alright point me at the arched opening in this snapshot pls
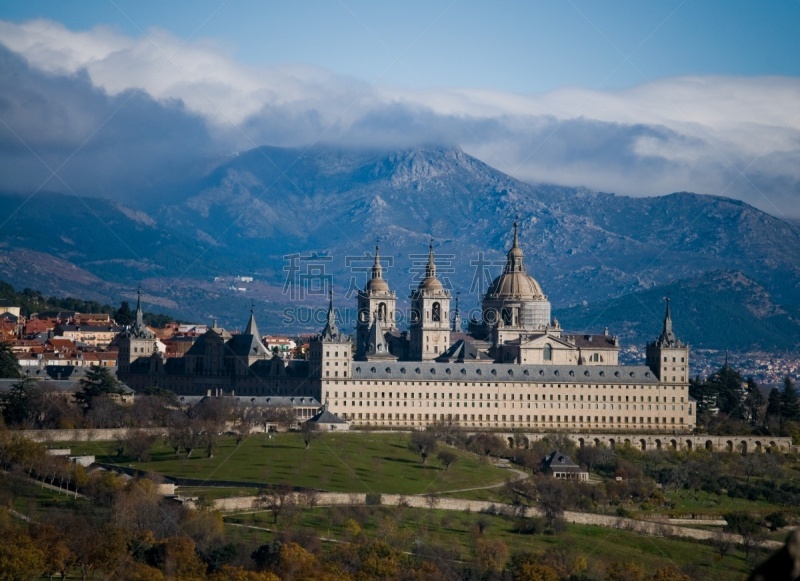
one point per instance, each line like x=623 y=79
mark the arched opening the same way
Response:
x=436 y=312
x=547 y=354
x=759 y=448
x=506 y=314
x=730 y=446
x=627 y=443
x=510 y=442
x=382 y=312
x=773 y=447
x=597 y=441
x=709 y=445
x=611 y=443
x=673 y=444
x=643 y=445
x=689 y=445
x=743 y=447
x=658 y=444
x=581 y=442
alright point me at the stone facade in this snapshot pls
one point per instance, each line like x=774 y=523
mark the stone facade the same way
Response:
x=516 y=373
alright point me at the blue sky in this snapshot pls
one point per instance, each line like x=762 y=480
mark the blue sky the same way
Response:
x=639 y=98
x=521 y=46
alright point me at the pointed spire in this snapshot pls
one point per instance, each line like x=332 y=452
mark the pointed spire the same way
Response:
x=139 y=313
x=430 y=269
x=251 y=328
x=139 y=329
x=667 y=334
x=515 y=254
x=457 y=317
x=377 y=270
x=330 y=332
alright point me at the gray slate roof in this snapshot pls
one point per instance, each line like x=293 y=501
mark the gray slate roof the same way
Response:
x=260 y=401
x=471 y=371
x=557 y=461
x=326 y=417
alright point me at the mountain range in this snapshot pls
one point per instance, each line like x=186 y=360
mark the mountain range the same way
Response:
x=287 y=217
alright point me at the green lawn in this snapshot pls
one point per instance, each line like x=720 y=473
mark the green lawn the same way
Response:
x=439 y=530
x=352 y=462
x=689 y=502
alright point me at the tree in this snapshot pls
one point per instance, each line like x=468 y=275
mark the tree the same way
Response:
x=9 y=365
x=20 y=558
x=423 y=443
x=98 y=381
x=277 y=499
x=790 y=403
x=727 y=383
x=22 y=404
x=138 y=444
x=749 y=528
x=447 y=457
x=774 y=402
x=552 y=498
x=281 y=416
x=311 y=432
x=624 y=571
x=123 y=315
x=754 y=403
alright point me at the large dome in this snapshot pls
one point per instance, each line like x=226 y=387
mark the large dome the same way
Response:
x=515 y=283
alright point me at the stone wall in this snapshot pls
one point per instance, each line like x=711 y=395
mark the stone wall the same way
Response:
x=98 y=435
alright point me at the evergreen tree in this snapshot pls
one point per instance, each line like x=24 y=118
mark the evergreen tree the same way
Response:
x=774 y=402
x=790 y=403
x=9 y=366
x=98 y=381
x=698 y=391
x=124 y=316
x=727 y=382
x=22 y=403
x=754 y=403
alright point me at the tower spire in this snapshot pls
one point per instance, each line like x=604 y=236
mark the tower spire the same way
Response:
x=516 y=239
x=251 y=328
x=430 y=269
x=139 y=313
x=667 y=334
x=377 y=269
x=330 y=332
x=457 y=317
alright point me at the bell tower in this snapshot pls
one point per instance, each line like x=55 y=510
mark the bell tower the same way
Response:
x=430 y=316
x=376 y=301
x=667 y=356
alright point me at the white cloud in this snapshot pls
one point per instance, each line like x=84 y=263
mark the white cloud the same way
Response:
x=691 y=133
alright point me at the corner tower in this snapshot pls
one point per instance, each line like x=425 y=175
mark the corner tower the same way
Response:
x=138 y=341
x=430 y=316
x=330 y=352
x=667 y=356
x=375 y=302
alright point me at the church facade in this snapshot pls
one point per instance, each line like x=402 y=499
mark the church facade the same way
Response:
x=516 y=369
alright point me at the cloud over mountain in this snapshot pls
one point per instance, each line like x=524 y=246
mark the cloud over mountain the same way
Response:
x=135 y=109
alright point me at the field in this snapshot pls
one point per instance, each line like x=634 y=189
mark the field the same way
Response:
x=344 y=462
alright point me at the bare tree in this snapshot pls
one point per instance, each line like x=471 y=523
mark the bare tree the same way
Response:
x=281 y=416
x=423 y=443
x=311 y=432
x=278 y=499
x=309 y=497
